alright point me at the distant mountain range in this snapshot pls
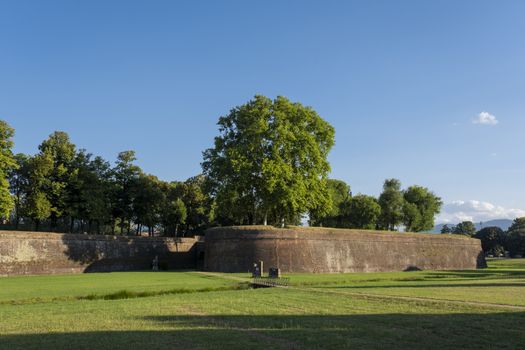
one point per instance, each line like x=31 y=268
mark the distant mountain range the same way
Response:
x=503 y=224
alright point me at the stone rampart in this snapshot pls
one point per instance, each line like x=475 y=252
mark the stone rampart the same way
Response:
x=42 y=253
x=235 y=249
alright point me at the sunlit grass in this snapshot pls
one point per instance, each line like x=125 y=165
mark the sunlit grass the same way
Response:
x=130 y=310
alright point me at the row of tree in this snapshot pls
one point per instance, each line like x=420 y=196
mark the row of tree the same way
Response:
x=267 y=166
x=494 y=240
x=413 y=208
x=64 y=189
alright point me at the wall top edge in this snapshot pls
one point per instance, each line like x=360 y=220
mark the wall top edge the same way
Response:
x=76 y=236
x=252 y=232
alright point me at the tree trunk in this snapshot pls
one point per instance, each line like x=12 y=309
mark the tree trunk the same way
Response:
x=53 y=223
x=265 y=218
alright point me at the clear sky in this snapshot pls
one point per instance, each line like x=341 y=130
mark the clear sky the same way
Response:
x=430 y=92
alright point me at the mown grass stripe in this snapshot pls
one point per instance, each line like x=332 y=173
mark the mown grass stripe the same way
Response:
x=127 y=294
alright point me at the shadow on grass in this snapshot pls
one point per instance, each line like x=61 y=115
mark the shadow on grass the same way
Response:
x=378 y=331
x=430 y=285
x=476 y=274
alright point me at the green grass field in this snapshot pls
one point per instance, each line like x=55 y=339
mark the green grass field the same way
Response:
x=483 y=309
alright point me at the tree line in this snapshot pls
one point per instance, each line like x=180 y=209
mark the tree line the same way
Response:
x=494 y=241
x=65 y=189
x=412 y=209
x=268 y=165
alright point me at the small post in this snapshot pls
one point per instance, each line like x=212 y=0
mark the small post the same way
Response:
x=261 y=267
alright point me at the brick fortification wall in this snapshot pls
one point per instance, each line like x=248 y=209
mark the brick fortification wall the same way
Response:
x=42 y=253
x=235 y=249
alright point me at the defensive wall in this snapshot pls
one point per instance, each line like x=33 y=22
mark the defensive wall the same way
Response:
x=235 y=249
x=45 y=253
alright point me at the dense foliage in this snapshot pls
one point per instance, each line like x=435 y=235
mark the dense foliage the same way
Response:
x=7 y=164
x=65 y=189
x=391 y=202
x=515 y=238
x=414 y=208
x=466 y=228
x=494 y=241
x=269 y=163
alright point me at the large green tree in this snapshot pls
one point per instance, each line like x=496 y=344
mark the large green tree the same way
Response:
x=197 y=202
x=125 y=177
x=333 y=216
x=363 y=212
x=271 y=158
x=515 y=240
x=466 y=228
x=7 y=164
x=173 y=212
x=492 y=238
x=19 y=183
x=89 y=193
x=391 y=202
x=59 y=150
x=37 y=204
x=419 y=208
x=147 y=203
x=446 y=229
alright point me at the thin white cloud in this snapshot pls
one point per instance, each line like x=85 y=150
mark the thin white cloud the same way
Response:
x=476 y=211
x=485 y=118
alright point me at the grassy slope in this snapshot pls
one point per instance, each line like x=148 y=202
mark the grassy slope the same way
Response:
x=503 y=283
x=45 y=288
x=269 y=318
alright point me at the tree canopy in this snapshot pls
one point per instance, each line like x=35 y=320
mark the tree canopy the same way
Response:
x=466 y=228
x=65 y=189
x=515 y=240
x=334 y=214
x=7 y=164
x=446 y=229
x=268 y=165
x=270 y=160
x=391 y=202
x=491 y=239
x=419 y=208
x=363 y=212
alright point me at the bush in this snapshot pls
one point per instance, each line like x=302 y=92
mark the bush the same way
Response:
x=515 y=243
x=490 y=237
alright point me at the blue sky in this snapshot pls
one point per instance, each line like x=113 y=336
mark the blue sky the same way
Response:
x=401 y=81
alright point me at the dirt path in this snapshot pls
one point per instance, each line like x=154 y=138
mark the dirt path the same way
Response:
x=382 y=296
